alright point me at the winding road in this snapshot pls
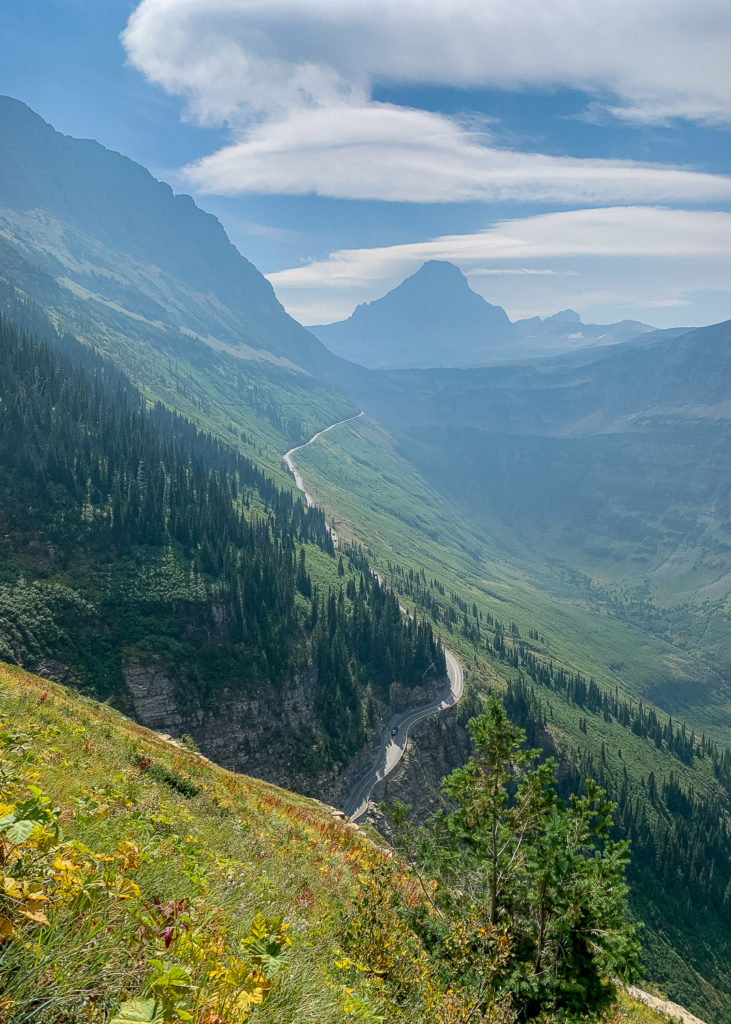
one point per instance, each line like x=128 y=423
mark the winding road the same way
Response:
x=287 y=457
x=392 y=749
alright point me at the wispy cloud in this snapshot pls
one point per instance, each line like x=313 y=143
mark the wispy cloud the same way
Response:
x=293 y=80
x=668 y=59
x=589 y=259
x=379 y=151
x=513 y=271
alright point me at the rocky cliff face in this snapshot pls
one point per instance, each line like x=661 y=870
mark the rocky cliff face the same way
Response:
x=265 y=732
x=436 y=746
x=271 y=733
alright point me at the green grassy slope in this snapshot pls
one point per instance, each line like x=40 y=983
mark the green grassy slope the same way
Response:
x=257 y=402
x=153 y=836
x=640 y=514
x=137 y=872
x=383 y=501
x=360 y=478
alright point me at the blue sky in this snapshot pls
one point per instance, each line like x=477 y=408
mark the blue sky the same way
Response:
x=562 y=153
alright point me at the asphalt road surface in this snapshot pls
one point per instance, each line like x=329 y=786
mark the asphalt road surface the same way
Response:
x=293 y=469
x=393 y=747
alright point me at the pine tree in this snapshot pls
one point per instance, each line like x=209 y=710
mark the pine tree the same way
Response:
x=541 y=872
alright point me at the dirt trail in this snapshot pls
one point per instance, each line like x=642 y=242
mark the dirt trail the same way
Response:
x=663 y=1006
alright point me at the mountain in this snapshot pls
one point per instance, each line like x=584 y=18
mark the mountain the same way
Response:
x=151 y=281
x=112 y=235
x=152 y=566
x=564 y=331
x=152 y=548
x=434 y=319
x=430 y=317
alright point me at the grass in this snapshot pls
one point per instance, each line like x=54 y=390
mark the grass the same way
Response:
x=222 y=847
x=141 y=874
x=376 y=496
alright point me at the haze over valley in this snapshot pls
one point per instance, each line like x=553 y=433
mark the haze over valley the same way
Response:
x=365 y=516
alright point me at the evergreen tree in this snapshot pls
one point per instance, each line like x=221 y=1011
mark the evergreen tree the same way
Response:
x=520 y=862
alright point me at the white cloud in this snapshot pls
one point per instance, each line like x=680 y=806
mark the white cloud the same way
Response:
x=380 y=151
x=668 y=303
x=293 y=81
x=512 y=271
x=597 y=260
x=666 y=59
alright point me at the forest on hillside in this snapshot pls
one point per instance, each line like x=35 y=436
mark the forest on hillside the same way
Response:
x=125 y=530
x=671 y=788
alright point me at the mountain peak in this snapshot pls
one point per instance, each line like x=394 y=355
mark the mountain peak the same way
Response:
x=439 y=268
x=429 y=319
x=567 y=316
x=440 y=281
x=437 y=291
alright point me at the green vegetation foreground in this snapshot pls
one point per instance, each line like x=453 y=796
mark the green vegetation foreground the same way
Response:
x=141 y=883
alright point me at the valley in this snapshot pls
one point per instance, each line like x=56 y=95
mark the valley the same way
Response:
x=557 y=528
x=397 y=728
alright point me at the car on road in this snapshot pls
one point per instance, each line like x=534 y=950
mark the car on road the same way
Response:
x=394 y=730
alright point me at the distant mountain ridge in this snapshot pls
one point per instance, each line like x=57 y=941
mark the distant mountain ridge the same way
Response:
x=434 y=319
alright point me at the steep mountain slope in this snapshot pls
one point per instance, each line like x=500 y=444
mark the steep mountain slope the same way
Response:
x=157 y=876
x=150 y=565
x=433 y=318
x=152 y=281
x=189 y=349
x=98 y=206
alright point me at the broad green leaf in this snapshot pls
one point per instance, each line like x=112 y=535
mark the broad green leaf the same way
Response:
x=20 y=831
x=169 y=977
x=139 y=1011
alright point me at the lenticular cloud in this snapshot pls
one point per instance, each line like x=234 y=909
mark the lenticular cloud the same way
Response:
x=230 y=57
